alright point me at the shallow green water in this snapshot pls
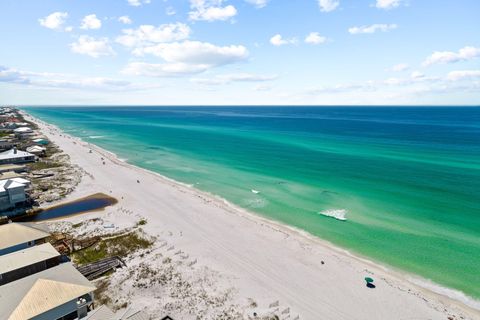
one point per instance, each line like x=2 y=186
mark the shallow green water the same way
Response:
x=407 y=178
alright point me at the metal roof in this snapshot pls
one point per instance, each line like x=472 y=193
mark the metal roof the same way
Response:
x=23 y=129
x=10 y=183
x=10 y=154
x=104 y=313
x=26 y=257
x=16 y=233
x=131 y=314
x=101 y=313
x=41 y=292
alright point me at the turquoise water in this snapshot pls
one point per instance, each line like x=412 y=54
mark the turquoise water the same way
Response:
x=408 y=179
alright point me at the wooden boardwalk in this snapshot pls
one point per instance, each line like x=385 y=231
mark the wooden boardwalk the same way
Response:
x=98 y=268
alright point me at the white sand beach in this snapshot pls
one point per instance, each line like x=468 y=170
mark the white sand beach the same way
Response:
x=264 y=266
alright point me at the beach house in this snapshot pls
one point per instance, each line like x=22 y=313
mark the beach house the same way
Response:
x=57 y=293
x=23 y=132
x=16 y=156
x=36 y=150
x=5 y=144
x=19 y=236
x=9 y=125
x=37 y=282
x=23 y=263
x=12 y=192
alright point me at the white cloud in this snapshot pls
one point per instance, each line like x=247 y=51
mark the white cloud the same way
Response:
x=12 y=76
x=463 y=75
x=92 y=47
x=148 y=34
x=400 y=67
x=186 y=57
x=170 y=11
x=410 y=86
x=372 y=28
x=387 y=4
x=125 y=20
x=91 y=22
x=196 y=52
x=138 y=3
x=340 y=88
x=211 y=10
x=315 y=38
x=416 y=75
x=445 y=57
x=395 y=81
x=54 y=21
x=57 y=80
x=262 y=87
x=162 y=69
x=237 y=77
x=328 y=5
x=278 y=40
x=258 y=3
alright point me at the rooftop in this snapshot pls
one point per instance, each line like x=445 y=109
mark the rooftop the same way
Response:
x=16 y=233
x=23 y=129
x=12 y=183
x=26 y=257
x=43 y=291
x=36 y=149
x=10 y=154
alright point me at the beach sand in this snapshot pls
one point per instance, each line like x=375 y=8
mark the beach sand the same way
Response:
x=268 y=266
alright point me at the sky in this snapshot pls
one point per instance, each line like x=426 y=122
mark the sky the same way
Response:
x=240 y=52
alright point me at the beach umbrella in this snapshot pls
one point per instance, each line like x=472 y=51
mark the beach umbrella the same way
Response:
x=368 y=279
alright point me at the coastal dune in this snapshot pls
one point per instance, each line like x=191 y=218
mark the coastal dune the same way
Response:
x=266 y=261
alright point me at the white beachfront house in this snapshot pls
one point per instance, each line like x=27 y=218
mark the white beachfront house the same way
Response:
x=23 y=131
x=19 y=236
x=36 y=150
x=12 y=192
x=16 y=156
x=58 y=293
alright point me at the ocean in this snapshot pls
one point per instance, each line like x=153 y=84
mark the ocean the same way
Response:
x=399 y=185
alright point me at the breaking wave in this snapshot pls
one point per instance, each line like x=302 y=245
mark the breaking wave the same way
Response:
x=339 y=214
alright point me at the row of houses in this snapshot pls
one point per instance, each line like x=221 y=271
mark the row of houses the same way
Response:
x=13 y=188
x=38 y=283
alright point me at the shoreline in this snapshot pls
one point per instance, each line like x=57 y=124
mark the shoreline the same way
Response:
x=399 y=278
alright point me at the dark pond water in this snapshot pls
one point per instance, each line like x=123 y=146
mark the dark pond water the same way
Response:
x=91 y=203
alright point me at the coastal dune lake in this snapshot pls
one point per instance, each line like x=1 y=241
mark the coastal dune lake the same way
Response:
x=398 y=185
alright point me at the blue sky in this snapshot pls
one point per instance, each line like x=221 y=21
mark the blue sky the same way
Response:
x=202 y=52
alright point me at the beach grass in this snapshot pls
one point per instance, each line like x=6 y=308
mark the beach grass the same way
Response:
x=121 y=245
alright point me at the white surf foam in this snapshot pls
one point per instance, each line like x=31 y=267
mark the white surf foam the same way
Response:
x=451 y=293
x=255 y=191
x=339 y=214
